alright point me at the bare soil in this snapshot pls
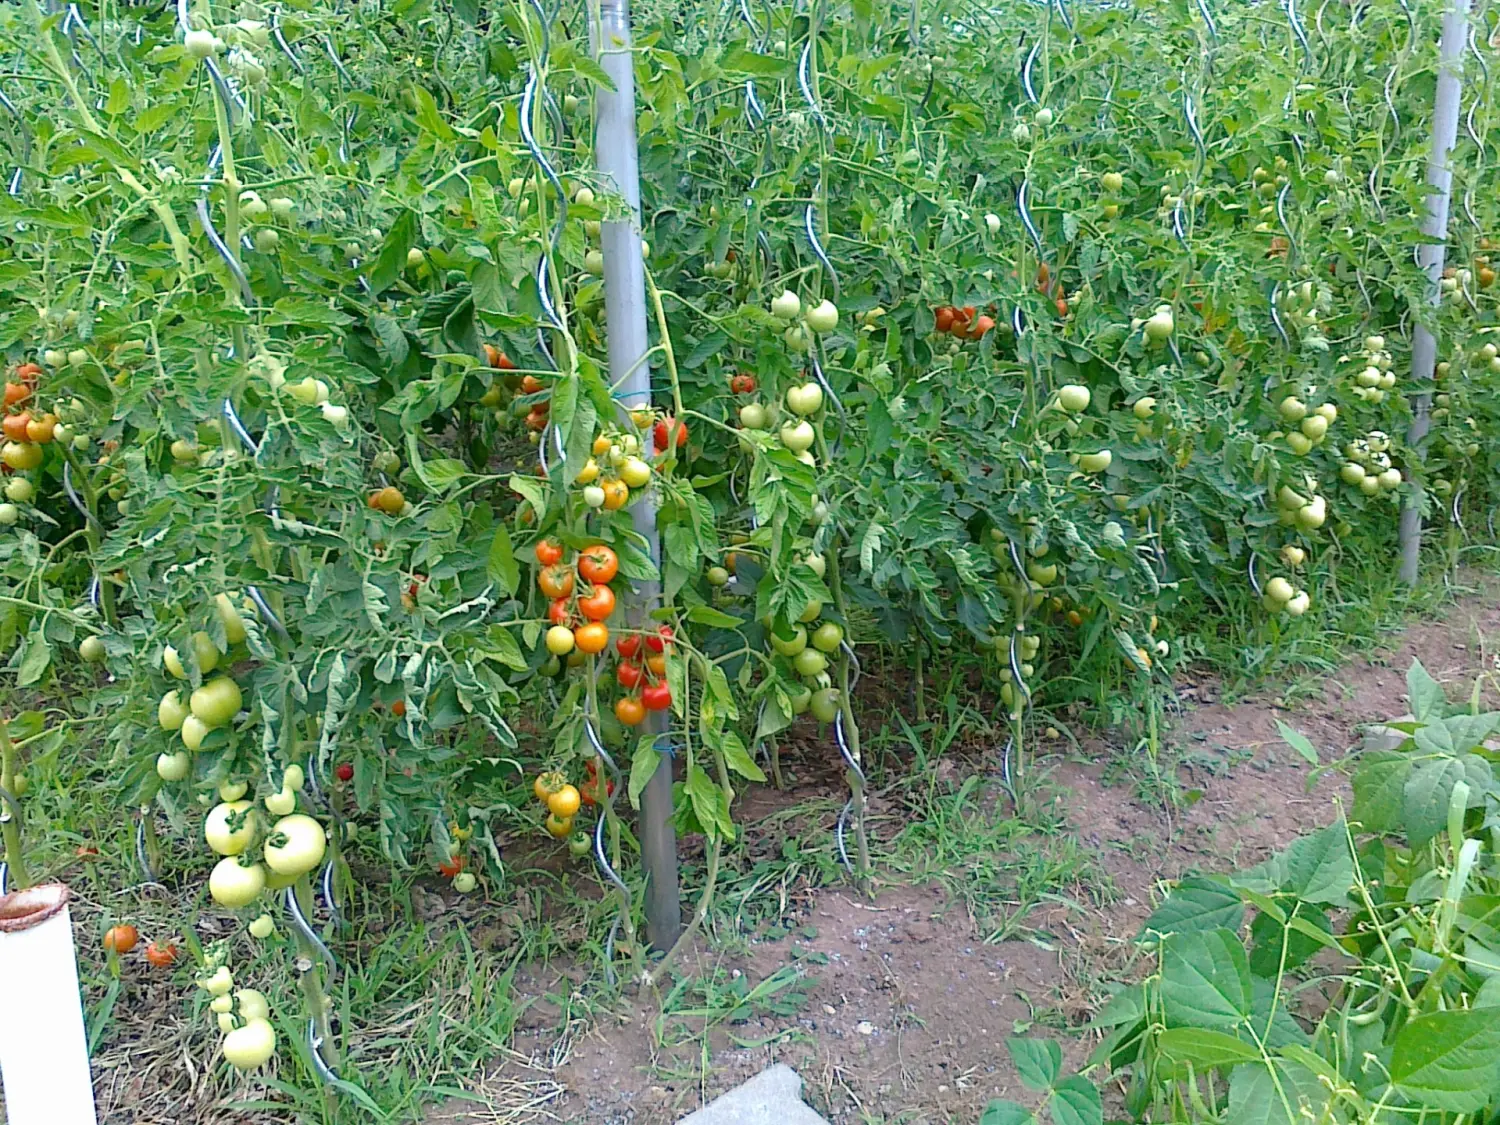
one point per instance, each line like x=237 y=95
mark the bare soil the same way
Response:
x=899 y=1011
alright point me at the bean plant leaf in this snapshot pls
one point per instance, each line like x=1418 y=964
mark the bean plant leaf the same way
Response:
x=1002 y=1112
x=1425 y=798
x=1298 y=742
x=1038 y=1061
x=1424 y=693
x=1289 y=1097
x=1449 y=1060
x=1204 y=1048
x=1379 y=787
x=1205 y=980
x=1075 y=1101
x=1196 y=904
x=1319 y=868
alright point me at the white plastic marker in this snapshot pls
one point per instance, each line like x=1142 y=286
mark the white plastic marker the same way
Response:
x=44 y=1054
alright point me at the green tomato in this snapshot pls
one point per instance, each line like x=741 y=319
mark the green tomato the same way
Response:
x=825 y=704
x=465 y=882
x=790 y=647
x=194 y=730
x=234 y=624
x=216 y=702
x=230 y=827
x=174 y=766
x=263 y=927
x=233 y=885
x=827 y=637
x=579 y=845
x=92 y=650
x=296 y=845
x=717 y=576
x=250 y=1047
x=801 y=699
x=810 y=662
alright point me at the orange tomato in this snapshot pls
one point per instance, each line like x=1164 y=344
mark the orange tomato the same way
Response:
x=40 y=430
x=530 y=385
x=556 y=581
x=15 y=392
x=657 y=663
x=559 y=613
x=616 y=494
x=592 y=638
x=387 y=500
x=549 y=551
x=15 y=425
x=398 y=708
x=598 y=603
x=630 y=710
x=121 y=939
x=598 y=563
x=564 y=803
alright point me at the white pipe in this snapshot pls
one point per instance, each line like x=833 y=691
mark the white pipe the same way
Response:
x=618 y=160
x=44 y=1054
x=1430 y=255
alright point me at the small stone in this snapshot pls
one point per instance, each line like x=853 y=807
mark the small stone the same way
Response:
x=865 y=1027
x=828 y=1010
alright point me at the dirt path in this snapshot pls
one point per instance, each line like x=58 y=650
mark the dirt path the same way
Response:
x=895 y=1010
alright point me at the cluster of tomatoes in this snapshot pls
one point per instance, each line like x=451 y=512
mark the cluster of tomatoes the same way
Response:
x=643 y=675
x=578 y=609
x=123 y=938
x=963 y=323
x=25 y=433
x=562 y=800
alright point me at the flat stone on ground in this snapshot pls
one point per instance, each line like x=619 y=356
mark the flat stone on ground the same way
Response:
x=772 y=1097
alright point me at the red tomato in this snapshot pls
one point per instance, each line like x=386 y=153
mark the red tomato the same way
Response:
x=629 y=676
x=29 y=373
x=344 y=771
x=549 y=551
x=981 y=326
x=628 y=645
x=944 y=317
x=161 y=956
x=598 y=603
x=666 y=426
x=658 y=641
x=589 y=790
x=598 y=564
x=559 y=612
x=657 y=697
x=398 y=708
x=452 y=867
x=742 y=384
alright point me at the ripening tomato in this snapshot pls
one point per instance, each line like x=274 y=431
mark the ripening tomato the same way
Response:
x=29 y=373
x=630 y=710
x=536 y=420
x=628 y=675
x=656 y=697
x=592 y=638
x=121 y=939
x=598 y=603
x=556 y=581
x=547 y=784
x=666 y=430
x=564 y=803
x=943 y=316
x=628 y=645
x=450 y=867
x=40 y=430
x=398 y=708
x=530 y=385
x=981 y=326
x=559 y=612
x=616 y=494
x=15 y=425
x=161 y=956
x=656 y=664
x=658 y=641
x=1062 y=306
x=387 y=500
x=548 y=551
x=16 y=392
x=742 y=384
x=598 y=563
x=589 y=790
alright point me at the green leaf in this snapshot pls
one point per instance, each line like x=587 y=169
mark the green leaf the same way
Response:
x=642 y=768
x=1449 y=1060
x=1298 y=742
x=1256 y=1097
x=1002 y=1112
x=1038 y=1061
x=1076 y=1101
x=1204 y=1048
x=713 y=618
x=391 y=260
x=1425 y=798
x=442 y=474
x=710 y=805
x=1425 y=694
x=503 y=648
x=738 y=759
x=1319 y=868
x=1196 y=904
x=1379 y=782
x=501 y=566
x=38 y=657
x=1205 y=980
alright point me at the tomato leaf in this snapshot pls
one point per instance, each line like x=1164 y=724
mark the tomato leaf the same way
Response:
x=642 y=768
x=737 y=758
x=501 y=565
x=391 y=260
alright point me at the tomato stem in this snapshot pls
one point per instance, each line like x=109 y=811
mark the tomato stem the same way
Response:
x=317 y=1000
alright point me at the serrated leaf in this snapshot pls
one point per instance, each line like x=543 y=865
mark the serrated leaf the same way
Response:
x=738 y=759
x=1002 y=1112
x=643 y=766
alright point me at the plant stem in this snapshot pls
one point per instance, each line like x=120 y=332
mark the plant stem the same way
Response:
x=15 y=857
